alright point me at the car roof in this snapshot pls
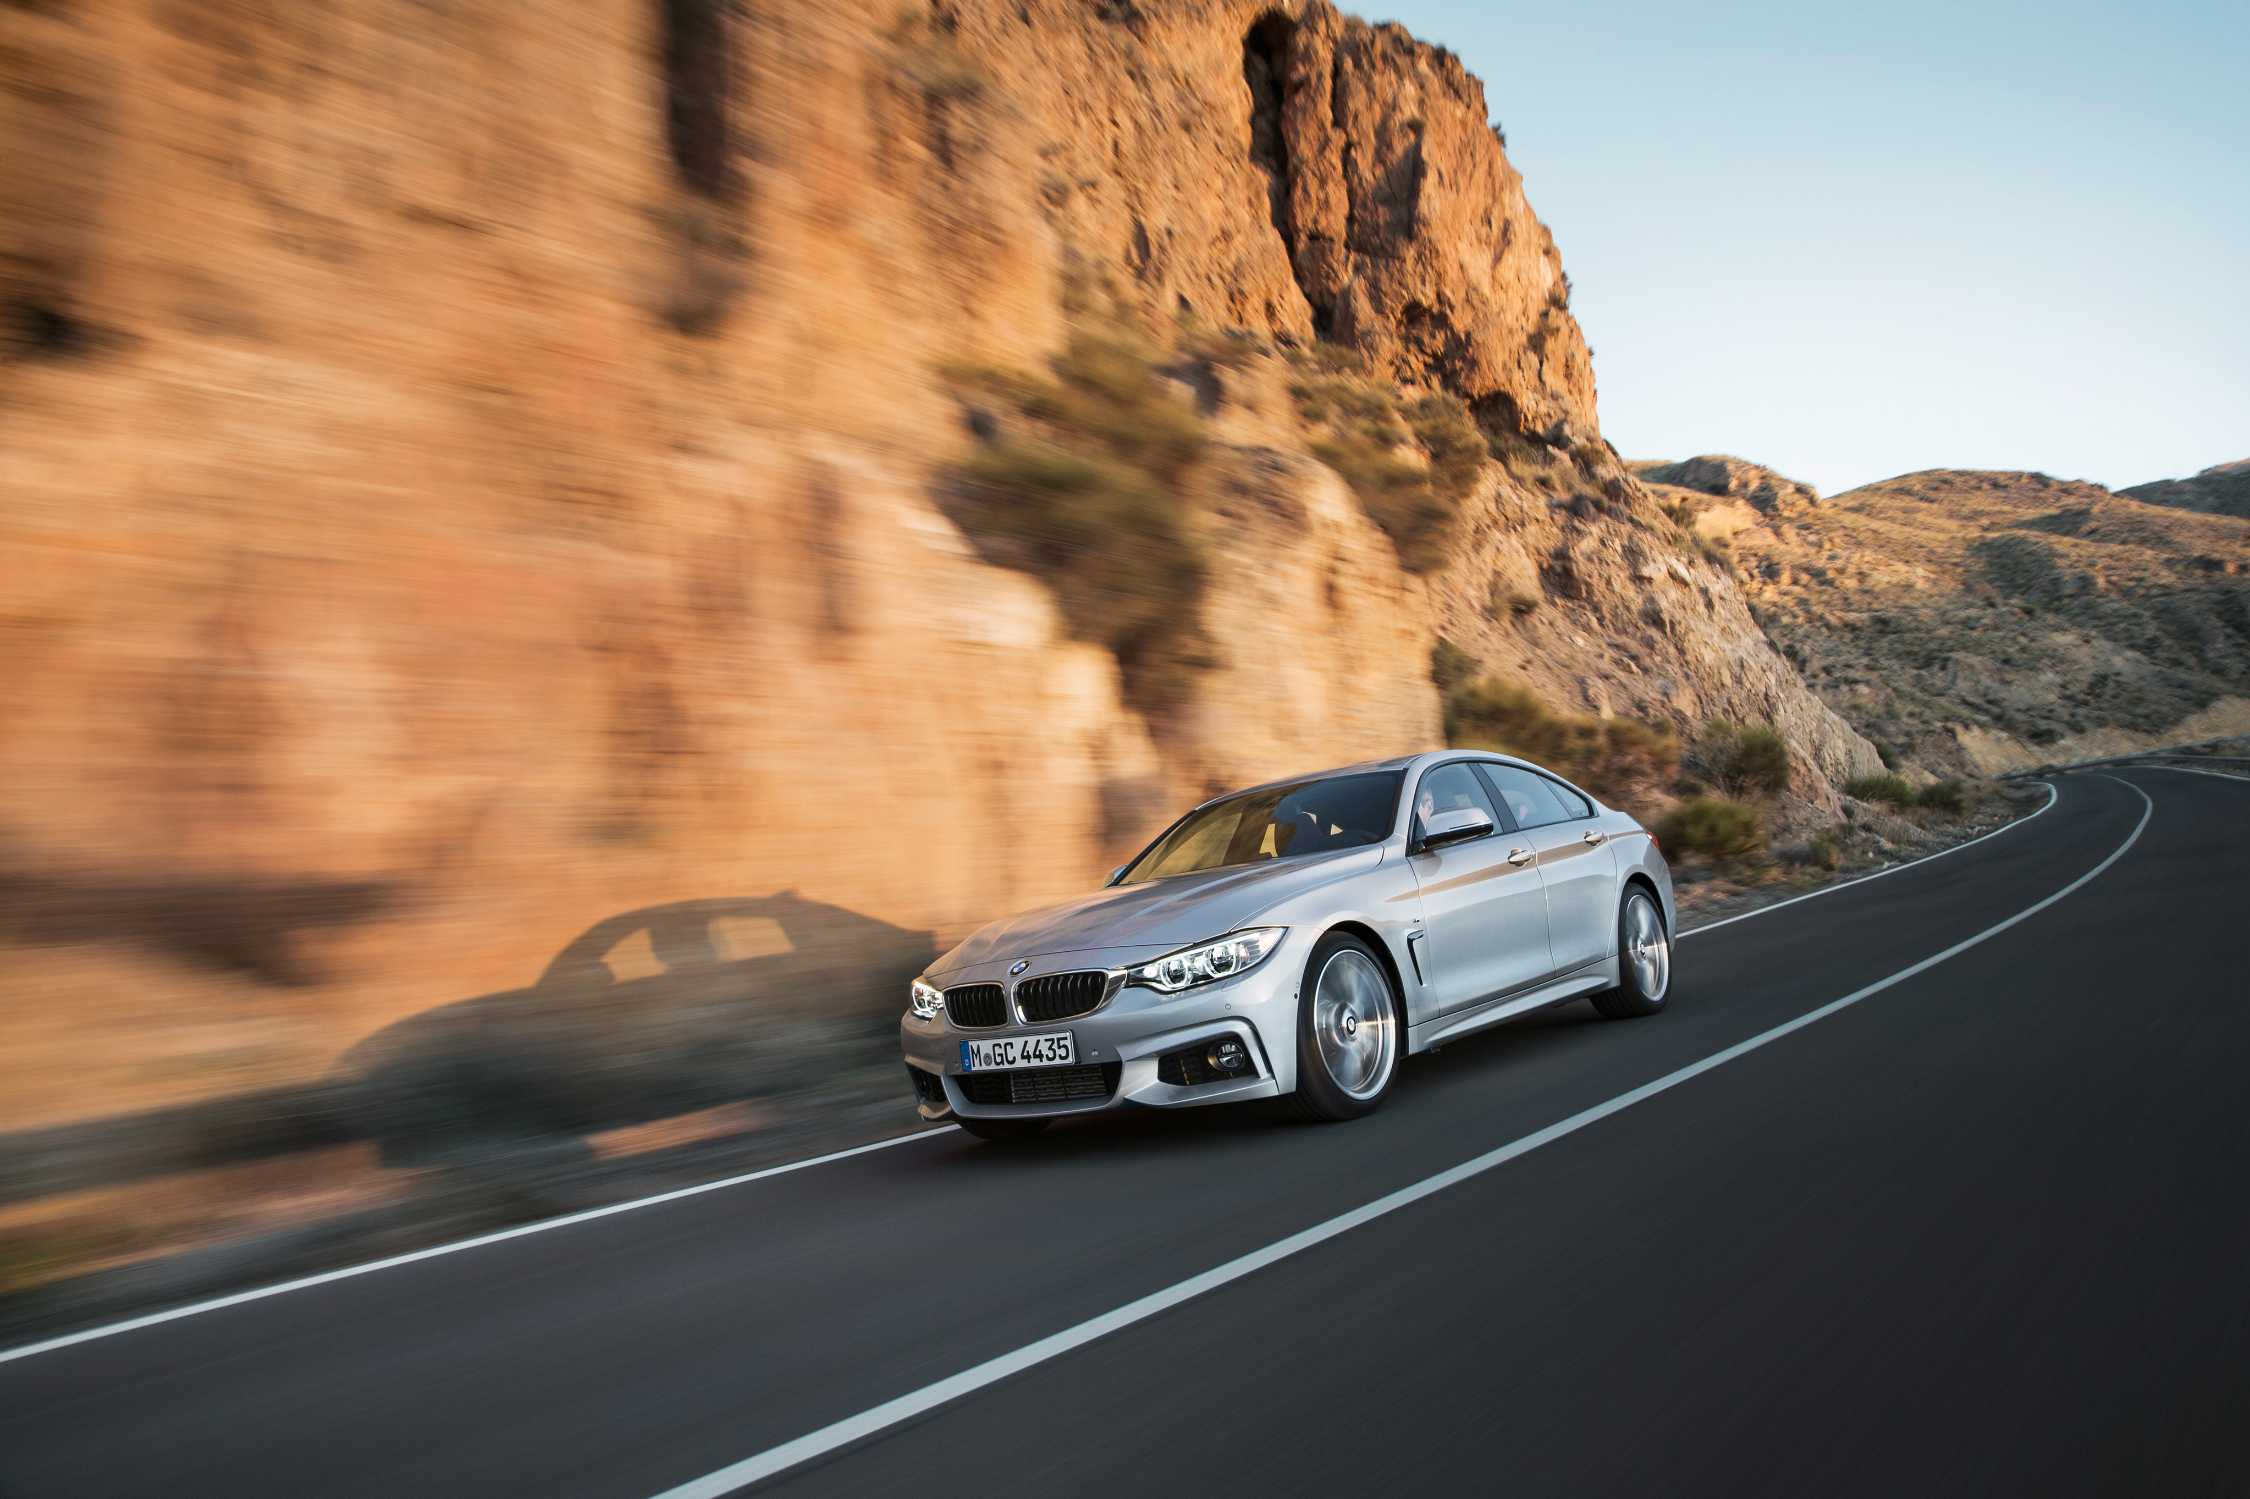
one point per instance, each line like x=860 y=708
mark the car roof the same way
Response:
x=1364 y=767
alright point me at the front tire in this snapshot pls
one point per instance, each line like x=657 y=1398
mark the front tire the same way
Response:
x=1000 y=1129
x=1644 y=959
x=1349 y=1032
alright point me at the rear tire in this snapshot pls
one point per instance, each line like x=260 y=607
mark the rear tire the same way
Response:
x=1349 y=1031
x=1001 y=1129
x=1644 y=959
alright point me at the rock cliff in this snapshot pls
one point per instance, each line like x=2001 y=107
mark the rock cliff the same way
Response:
x=475 y=470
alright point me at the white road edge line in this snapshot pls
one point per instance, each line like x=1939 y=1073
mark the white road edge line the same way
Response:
x=1713 y=926
x=196 y=1308
x=906 y=1407
x=2189 y=770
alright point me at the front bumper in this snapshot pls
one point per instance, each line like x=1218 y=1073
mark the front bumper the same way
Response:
x=1131 y=1033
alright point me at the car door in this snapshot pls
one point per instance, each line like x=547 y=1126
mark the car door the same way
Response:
x=1484 y=912
x=1575 y=861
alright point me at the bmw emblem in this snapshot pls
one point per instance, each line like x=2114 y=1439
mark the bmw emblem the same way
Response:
x=1020 y=965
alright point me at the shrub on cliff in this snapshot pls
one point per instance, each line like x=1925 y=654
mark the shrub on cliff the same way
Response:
x=1614 y=757
x=1450 y=666
x=1944 y=796
x=1084 y=492
x=1713 y=827
x=1747 y=759
x=1411 y=465
x=1896 y=790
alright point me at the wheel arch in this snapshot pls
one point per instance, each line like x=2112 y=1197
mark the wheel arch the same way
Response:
x=1368 y=937
x=1640 y=877
x=1383 y=955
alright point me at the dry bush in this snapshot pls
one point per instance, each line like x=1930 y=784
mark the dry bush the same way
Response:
x=1505 y=599
x=1944 y=796
x=1226 y=348
x=1715 y=828
x=1824 y=850
x=1372 y=441
x=1895 y=790
x=1715 y=550
x=1090 y=501
x=1746 y=759
x=1331 y=359
x=1450 y=666
x=1616 y=758
x=927 y=56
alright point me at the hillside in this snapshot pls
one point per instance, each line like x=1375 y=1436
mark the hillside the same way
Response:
x=1982 y=621
x=2222 y=489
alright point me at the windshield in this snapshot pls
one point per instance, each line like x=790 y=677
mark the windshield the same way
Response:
x=1278 y=822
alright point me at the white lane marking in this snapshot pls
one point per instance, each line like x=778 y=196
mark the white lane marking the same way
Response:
x=919 y=1402
x=133 y=1324
x=1712 y=926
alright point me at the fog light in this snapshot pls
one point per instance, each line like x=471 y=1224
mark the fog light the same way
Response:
x=1227 y=1056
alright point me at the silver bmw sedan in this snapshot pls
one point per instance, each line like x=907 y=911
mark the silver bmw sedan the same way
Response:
x=1297 y=940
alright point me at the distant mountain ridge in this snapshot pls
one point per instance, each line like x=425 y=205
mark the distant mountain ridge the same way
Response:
x=2221 y=489
x=1977 y=620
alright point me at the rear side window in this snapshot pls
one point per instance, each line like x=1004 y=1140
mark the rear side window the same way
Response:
x=1534 y=801
x=1574 y=805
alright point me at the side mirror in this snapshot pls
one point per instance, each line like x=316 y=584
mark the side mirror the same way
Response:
x=1457 y=825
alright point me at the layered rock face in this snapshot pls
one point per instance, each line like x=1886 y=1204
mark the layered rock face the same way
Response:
x=1979 y=621
x=469 y=473
x=1407 y=228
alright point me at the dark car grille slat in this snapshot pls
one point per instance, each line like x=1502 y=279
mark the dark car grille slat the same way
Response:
x=1060 y=996
x=977 y=1004
x=1041 y=1084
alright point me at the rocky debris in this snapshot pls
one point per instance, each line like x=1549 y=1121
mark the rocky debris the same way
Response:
x=2222 y=489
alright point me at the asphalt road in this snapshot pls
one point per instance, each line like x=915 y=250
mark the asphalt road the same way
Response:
x=1983 y=1230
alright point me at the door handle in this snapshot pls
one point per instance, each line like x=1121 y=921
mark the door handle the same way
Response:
x=1519 y=857
x=1594 y=837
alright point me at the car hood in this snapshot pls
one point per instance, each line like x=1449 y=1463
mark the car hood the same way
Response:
x=1160 y=914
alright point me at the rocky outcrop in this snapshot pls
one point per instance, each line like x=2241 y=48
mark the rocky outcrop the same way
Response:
x=1407 y=227
x=1601 y=609
x=1731 y=479
x=2222 y=489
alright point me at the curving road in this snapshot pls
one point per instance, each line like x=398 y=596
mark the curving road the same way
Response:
x=1937 y=1183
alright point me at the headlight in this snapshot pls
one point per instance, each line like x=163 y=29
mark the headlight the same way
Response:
x=926 y=1002
x=1237 y=952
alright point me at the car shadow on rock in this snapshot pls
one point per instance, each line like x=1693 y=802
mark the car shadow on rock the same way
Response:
x=647 y=1015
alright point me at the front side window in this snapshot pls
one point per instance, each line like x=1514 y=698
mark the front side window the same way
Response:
x=1533 y=800
x=1449 y=788
x=1276 y=822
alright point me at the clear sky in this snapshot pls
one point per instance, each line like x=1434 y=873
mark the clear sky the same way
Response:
x=1851 y=241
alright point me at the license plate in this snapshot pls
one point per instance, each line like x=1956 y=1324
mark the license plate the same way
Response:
x=1054 y=1049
